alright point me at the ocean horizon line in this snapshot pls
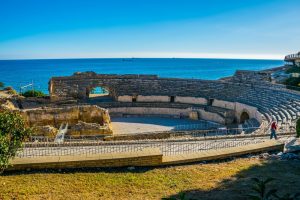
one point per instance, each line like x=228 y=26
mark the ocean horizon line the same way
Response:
x=132 y=58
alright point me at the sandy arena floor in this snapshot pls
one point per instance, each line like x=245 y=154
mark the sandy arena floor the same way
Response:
x=133 y=125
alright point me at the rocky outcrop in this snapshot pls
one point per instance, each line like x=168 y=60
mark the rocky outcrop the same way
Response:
x=70 y=114
x=293 y=145
x=85 y=129
x=6 y=105
x=48 y=131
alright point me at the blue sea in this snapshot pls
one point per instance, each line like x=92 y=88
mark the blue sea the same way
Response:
x=18 y=73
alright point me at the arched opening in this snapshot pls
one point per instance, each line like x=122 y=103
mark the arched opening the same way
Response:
x=100 y=94
x=244 y=117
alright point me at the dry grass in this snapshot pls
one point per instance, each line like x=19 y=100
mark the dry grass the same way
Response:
x=200 y=181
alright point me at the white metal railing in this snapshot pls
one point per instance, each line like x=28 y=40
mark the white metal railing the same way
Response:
x=216 y=138
x=101 y=147
x=292 y=56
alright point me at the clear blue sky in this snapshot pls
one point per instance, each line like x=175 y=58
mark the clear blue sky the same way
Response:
x=149 y=28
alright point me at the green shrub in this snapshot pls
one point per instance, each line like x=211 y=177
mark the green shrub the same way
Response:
x=33 y=93
x=293 y=81
x=1 y=85
x=293 y=70
x=298 y=127
x=12 y=133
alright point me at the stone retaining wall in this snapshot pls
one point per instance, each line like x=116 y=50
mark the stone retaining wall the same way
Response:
x=146 y=157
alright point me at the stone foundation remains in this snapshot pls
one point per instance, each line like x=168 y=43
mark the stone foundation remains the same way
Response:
x=82 y=120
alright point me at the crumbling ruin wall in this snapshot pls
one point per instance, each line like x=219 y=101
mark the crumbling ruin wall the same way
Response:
x=86 y=120
x=151 y=87
x=79 y=85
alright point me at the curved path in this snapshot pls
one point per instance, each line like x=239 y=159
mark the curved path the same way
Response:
x=166 y=147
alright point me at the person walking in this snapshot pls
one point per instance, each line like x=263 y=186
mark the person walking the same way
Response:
x=273 y=130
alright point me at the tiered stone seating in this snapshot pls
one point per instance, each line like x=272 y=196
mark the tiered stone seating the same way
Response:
x=275 y=103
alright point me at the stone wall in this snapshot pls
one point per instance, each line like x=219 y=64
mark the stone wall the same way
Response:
x=145 y=157
x=144 y=111
x=151 y=88
x=252 y=111
x=218 y=116
x=191 y=100
x=209 y=116
x=152 y=98
x=79 y=85
x=141 y=98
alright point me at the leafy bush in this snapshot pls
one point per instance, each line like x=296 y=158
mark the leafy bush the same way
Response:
x=298 y=127
x=12 y=133
x=33 y=93
x=293 y=81
x=1 y=85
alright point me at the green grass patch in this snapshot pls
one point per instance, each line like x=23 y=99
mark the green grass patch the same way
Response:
x=199 y=181
x=33 y=93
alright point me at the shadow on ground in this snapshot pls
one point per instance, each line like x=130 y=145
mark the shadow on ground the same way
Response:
x=285 y=173
x=136 y=170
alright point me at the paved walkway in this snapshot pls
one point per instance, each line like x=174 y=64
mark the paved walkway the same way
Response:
x=166 y=147
x=214 y=154
x=144 y=157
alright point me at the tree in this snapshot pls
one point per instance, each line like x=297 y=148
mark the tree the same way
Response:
x=33 y=93
x=1 y=85
x=13 y=131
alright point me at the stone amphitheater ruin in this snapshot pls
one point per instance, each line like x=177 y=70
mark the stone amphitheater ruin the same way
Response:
x=232 y=109
x=246 y=100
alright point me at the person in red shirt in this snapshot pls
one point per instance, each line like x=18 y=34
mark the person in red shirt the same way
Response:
x=273 y=130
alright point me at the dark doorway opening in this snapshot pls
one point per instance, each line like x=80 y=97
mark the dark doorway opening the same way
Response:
x=172 y=99
x=134 y=98
x=210 y=102
x=244 y=117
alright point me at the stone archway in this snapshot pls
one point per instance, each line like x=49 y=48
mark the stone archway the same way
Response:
x=98 y=93
x=244 y=116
